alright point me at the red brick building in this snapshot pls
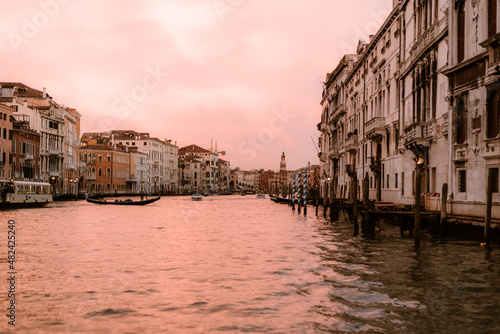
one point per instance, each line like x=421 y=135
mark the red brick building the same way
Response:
x=107 y=167
x=5 y=142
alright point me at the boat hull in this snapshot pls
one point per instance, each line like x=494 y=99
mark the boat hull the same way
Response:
x=30 y=205
x=104 y=202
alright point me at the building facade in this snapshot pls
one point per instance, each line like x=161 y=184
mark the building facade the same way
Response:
x=421 y=95
x=6 y=126
x=25 y=150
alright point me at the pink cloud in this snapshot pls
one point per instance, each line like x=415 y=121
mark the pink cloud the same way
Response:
x=226 y=76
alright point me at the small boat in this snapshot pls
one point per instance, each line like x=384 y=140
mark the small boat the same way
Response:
x=280 y=200
x=261 y=195
x=120 y=202
x=196 y=197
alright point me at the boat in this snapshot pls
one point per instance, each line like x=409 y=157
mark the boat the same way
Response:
x=24 y=194
x=120 y=202
x=280 y=200
x=196 y=197
x=261 y=195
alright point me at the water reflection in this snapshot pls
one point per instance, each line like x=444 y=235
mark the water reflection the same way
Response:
x=236 y=264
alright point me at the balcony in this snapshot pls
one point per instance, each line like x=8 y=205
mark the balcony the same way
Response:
x=375 y=164
x=375 y=128
x=53 y=173
x=350 y=169
x=351 y=141
x=334 y=153
x=417 y=134
x=90 y=178
x=2 y=163
x=53 y=151
x=28 y=156
x=69 y=166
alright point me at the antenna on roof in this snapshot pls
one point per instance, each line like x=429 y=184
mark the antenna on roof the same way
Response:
x=314 y=144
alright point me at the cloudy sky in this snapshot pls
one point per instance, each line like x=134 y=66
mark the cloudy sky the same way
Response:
x=247 y=73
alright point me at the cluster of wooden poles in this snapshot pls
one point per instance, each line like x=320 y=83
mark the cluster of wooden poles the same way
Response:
x=299 y=197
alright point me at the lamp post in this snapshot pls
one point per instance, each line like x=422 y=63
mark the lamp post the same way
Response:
x=52 y=178
x=76 y=188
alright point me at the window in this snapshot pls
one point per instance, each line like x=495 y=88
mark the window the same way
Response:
x=461 y=122
x=108 y=157
x=99 y=172
x=493 y=119
x=396 y=181
x=387 y=181
x=462 y=182
x=100 y=157
x=433 y=179
x=494 y=176
x=108 y=172
x=461 y=32
x=492 y=17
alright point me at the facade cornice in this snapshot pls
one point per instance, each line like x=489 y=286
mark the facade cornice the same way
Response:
x=390 y=19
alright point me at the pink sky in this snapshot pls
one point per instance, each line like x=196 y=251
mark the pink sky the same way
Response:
x=247 y=73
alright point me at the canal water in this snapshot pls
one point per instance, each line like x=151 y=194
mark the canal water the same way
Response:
x=233 y=264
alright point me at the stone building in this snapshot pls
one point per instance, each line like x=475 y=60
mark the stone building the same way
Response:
x=474 y=91
x=422 y=95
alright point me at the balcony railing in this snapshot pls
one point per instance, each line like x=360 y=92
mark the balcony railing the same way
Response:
x=416 y=132
x=28 y=156
x=375 y=125
x=53 y=151
x=351 y=141
x=90 y=178
x=69 y=166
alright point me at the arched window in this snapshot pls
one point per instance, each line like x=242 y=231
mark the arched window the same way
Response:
x=108 y=172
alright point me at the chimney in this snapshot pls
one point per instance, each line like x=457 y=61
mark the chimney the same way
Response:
x=44 y=92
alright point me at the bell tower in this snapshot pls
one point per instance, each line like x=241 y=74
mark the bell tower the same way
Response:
x=283 y=163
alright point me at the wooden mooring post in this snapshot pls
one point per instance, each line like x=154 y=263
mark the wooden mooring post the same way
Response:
x=489 y=200
x=366 y=225
x=355 y=203
x=418 y=190
x=444 y=201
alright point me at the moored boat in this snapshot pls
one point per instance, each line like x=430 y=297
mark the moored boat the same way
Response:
x=280 y=200
x=261 y=195
x=24 y=194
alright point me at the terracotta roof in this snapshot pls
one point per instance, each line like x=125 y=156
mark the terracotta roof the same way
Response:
x=23 y=90
x=193 y=149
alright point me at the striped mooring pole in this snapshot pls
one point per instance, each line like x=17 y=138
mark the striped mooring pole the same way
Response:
x=299 y=195
x=293 y=192
x=305 y=191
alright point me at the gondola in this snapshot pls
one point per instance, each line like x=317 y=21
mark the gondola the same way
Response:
x=280 y=200
x=125 y=202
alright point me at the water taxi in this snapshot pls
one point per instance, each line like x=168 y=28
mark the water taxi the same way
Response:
x=196 y=197
x=24 y=194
